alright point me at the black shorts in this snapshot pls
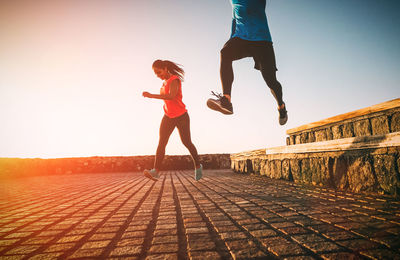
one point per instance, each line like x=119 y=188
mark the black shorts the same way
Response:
x=261 y=51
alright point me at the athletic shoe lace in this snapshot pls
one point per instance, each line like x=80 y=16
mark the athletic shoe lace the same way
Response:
x=218 y=95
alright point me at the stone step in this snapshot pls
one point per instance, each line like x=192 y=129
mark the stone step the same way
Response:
x=380 y=119
x=346 y=144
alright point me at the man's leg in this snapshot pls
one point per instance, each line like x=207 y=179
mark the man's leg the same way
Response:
x=264 y=58
x=234 y=49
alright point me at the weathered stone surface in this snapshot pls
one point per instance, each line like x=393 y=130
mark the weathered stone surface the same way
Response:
x=380 y=125
x=329 y=134
x=256 y=165
x=320 y=173
x=306 y=171
x=295 y=169
x=28 y=167
x=385 y=170
x=304 y=137
x=320 y=135
x=292 y=140
x=276 y=169
x=348 y=130
x=253 y=218
x=297 y=139
x=263 y=167
x=286 y=174
x=311 y=136
x=395 y=122
x=337 y=131
x=362 y=127
x=360 y=174
x=339 y=173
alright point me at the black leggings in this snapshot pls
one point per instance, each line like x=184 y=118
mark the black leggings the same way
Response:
x=166 y=128
x=264 y=59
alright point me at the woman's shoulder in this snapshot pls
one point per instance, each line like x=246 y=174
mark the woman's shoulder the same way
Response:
x=174 y=78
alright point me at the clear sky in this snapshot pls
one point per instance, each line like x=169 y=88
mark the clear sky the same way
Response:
x=72 y=72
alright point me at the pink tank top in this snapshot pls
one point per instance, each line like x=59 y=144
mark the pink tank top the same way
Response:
x=175 y=107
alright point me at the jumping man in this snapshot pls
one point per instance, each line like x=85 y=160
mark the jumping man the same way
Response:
x=250 y=37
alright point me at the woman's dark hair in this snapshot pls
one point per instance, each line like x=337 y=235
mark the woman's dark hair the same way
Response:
x=172 y=67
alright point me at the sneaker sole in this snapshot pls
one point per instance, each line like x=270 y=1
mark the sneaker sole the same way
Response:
x=283 y=121
x=148 y=175
x=214 y=106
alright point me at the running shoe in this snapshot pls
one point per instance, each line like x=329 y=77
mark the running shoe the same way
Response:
x=151 y=174
x=198 y=173
x=283 y=116
x=221 y=104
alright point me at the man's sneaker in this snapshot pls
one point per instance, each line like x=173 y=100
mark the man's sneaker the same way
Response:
x=151 y=174
x=283 y=117
x=198 y=173
x=222 y=104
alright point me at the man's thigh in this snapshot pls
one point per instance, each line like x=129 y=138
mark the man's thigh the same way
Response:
x=236 y=48
x=264 y=56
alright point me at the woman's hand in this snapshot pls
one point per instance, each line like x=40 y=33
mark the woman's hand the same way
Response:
x=146 y=94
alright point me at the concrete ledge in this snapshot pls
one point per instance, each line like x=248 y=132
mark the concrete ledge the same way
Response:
x=379 y=119
x=362 y=164
x=395 y=103
x=346 y=144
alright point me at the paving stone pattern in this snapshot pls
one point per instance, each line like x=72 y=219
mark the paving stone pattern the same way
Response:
x=223 y=216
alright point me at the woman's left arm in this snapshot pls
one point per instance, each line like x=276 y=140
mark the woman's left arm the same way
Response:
x=173 y=91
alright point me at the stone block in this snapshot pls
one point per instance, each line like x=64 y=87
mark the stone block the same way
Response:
x=297 y=139
x=360 y=174
x=311 y=137
x=306 y=171
x=362 y=127
x=329 y=134
x=242 y=166
x=320 y=135
x=304 y=137
x=339 y=173
x=320 y=172
x=380 y=125
x=395 y=123
x=385 y=170
x=249 y=166
x=286 y=174
x=276 y=169
x=256 y=165
x=295 y=169
x=337 y=132
x=263 y=167
x=233 y=165
x=348 y=130
x=268 y=168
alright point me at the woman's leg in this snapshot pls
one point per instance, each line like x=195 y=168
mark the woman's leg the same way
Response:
x=166 y=127
x=183 y=125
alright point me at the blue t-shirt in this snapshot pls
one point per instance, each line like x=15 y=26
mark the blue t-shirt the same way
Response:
x=249 y=21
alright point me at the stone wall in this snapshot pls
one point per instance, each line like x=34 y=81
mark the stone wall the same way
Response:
x=363 y=170
x=376 y=120
x=357 y=151
x=28 y=167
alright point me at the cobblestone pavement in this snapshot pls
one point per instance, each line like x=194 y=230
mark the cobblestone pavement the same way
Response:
x=223 y=216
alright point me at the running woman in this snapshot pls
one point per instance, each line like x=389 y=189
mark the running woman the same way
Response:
x=175 y=115
x=250 y=37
